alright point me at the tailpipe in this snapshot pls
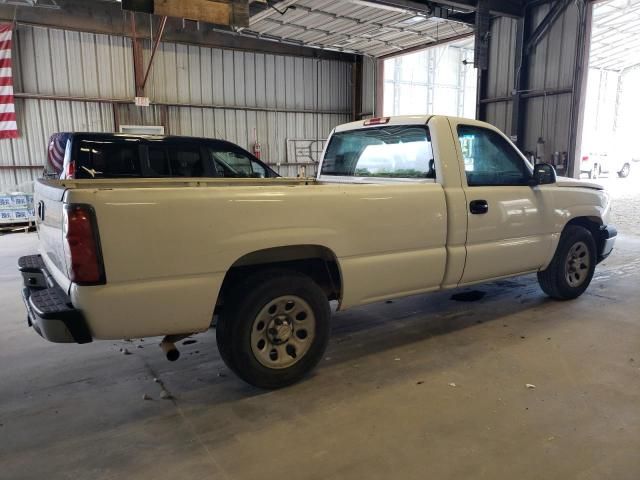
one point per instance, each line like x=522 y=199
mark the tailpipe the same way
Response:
x=168 y=346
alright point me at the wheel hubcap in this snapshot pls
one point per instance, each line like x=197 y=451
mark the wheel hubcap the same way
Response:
x=577 y=264
x=282 y=332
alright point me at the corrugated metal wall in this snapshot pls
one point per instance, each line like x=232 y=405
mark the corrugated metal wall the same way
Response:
x=200 y=91
x=500 y=75
x=551 y=67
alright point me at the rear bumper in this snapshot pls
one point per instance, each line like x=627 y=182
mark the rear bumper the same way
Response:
x=608 y=236
x=49 y=309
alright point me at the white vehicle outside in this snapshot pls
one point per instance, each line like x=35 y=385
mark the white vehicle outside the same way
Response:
x=401 y=206
x=617 y=158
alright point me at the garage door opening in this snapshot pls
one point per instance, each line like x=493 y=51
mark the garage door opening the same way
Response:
x=436 y=80
x=609 y=147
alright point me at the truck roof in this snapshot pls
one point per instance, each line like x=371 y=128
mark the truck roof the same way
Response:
x=144 y=137
x=403 y=120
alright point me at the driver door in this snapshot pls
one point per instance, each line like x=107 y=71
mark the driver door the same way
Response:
x=508 y=226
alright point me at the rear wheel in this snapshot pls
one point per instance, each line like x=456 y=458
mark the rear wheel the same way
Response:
x=571 y=270
x=275 y=330
x=624 y=172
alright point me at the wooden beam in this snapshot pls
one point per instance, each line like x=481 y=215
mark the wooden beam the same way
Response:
x=219 y=12
x=107 y=18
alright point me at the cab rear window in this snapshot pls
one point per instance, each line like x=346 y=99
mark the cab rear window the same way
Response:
x=391 y=151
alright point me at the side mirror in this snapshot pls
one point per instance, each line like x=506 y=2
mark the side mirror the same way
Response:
x=543 y=174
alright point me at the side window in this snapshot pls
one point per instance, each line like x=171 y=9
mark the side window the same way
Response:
x=158 y=161
x=103 y=159
x=258 y=170
x=489 y=160
x=185 y=161
x=234 y=164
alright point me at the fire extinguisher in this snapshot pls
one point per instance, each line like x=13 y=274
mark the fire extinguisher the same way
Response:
x=256 y=145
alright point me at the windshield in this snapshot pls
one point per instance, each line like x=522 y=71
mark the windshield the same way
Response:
x=390 y=151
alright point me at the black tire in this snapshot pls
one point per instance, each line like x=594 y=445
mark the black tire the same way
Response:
x=553 y=280
x=235 y=324
x=624 y=172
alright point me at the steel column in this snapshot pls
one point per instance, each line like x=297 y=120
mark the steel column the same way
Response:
x=137 y=58
x=163 y=23
x=521 y=80
x=356 y=89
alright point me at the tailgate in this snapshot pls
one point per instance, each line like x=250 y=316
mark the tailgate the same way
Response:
x=48 y=199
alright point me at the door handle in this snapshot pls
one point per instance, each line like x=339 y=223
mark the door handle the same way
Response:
x=478 y=207
x=40 y=210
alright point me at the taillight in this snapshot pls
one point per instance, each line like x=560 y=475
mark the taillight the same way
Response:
x=585 y=158
x=82 y=246
x=376 y=121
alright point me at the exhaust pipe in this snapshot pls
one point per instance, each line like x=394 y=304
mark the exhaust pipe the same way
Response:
x=170 y=350
x=168 y=346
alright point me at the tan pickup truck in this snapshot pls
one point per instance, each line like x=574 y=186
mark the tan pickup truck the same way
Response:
x=401 y=206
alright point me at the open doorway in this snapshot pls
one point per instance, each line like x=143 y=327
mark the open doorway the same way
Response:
x=610 y=148
x=435 y=80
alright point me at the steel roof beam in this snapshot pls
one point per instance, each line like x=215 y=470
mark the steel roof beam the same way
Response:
x=412 y=7
x=545 y=25
x=508 y=8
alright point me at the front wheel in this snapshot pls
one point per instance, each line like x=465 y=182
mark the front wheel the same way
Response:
x=571 y=270
x=275 y=330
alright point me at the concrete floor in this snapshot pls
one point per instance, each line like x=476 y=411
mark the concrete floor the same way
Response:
x=381 y=405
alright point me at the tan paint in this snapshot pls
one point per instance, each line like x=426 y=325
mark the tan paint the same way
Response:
x=167 y=244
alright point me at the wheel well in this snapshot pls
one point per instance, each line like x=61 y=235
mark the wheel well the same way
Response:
x=317 y=262
x=592 y=224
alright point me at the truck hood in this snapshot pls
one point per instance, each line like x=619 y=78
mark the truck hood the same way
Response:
x=575 y=183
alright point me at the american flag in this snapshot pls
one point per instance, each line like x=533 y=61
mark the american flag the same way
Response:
x=8 y=125
x=56 y=151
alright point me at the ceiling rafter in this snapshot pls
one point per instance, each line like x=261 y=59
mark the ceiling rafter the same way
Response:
x=614 y=42
x=365 y=27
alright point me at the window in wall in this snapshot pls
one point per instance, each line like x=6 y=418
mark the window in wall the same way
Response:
x=432 y=81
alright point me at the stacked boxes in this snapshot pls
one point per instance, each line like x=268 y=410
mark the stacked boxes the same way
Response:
x=16 y=208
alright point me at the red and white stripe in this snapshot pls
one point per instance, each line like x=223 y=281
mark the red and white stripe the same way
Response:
x=57 y=146
x=8 y=125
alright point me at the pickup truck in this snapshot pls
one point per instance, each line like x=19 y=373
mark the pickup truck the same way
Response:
x=401 y=206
